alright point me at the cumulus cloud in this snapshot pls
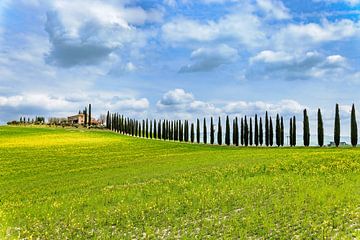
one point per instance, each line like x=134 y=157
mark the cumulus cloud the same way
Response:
x=271 y=65
x=207 y=59
x=86 y=32
x=274 y=9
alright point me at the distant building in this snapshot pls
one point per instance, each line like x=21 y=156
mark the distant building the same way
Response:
x=332 y=144
x=76 y=119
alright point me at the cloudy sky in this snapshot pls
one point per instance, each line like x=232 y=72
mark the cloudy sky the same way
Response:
x=179 y=58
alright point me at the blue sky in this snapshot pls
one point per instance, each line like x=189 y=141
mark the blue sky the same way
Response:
x=179 y=58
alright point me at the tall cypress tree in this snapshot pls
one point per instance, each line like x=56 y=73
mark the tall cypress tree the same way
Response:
x=147 y=128
x=320 y=132
x=294 y=131
x=282 y=129
x=108 y=120
x=278 y=131
x=291 y=133
x=155 y=130
x=212 y=131
x=242 y=132
x=261 y=133
x=337 y=126
x=246 y=132
x=181 y=131
x=89 y=114
x=186 y=131
x=197 y=130
x=192 y=135
x=219 y=135
x=159 y=129
x=237 y=131
x=354 y=128
x=204 y=132
x=250 y=133
x=227 y=131
x=306 y=129
x=151 y=130
x=271 y=133
x=267 y=137
x=85 y=117
x=234 y=132
x=256 y=131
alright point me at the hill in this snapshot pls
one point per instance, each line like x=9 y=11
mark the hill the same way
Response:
x=69 y=183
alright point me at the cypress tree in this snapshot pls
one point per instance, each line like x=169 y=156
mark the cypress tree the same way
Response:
x=227 y=131
x=192 y=135
x=234 y=132
x=294 y=131
x=271 y=134
x=155 y=130
x=267 y=137
x=108 y=120
x=147 y=128
x=354 y=129
x=212 y=131
x=306 y=129
x=204 y=132
x=242 y=132
x=176 y=131
x=282 y=131
x=256 y=132
x=85 y=117
x=181 y=131
x=320 y=131
x=246 y=132
x=89 y=114
x=151 y=130
x=197 y=131
x=278 y=131
x=136 y=128
x=159 y=129
x=163 y=130
x=291 y=133
x=186 y=139
x=261 y=133
x=250 y=133
x=337 y=126
x=219 y=135
x=172 y=130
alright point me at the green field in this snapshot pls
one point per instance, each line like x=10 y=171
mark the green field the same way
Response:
x=69 y=183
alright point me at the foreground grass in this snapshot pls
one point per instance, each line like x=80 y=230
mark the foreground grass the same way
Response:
x=57 y=184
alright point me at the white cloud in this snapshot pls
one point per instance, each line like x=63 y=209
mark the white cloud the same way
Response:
x=274 y=9
x=207 y=59
x=350 y=2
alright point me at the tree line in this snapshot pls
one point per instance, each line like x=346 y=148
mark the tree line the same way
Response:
x=244 y=131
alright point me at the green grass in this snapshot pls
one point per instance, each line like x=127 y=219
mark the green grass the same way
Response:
x=67 y=183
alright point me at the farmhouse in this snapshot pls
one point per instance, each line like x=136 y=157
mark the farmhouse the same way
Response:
x=76 y=119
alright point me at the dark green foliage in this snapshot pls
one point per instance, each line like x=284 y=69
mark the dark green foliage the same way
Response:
x=294 y=131
x=354 y=128
x=192 y=135
x=320 y=130
x=212 y=131
x=147 y=128
x=108 y=120
x=242 y=132
x=155 y=130
x=337 y=126
x=204 y=132
x=282 y=131
x=86 y=116
x=227 y=131
x=256 y=131
x=250 y=133
x=176 y=131
x=163 y=130
x=261 y=133
x=278 y=131
x=246 y=132
x=306 y=128
x=151 y=130
x=291 y=133
x=186 y=131
x=197 y=130
x=235 y=132
x=89 y=114
x=181 y=132
x=271 y=133
x=159 y=129
x=219 y=134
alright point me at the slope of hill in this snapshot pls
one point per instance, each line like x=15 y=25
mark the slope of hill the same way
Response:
x=66 y=183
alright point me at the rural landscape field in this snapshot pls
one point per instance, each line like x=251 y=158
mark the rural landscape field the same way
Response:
x=75 y=183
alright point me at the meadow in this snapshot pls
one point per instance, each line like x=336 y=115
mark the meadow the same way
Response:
x=90 y=184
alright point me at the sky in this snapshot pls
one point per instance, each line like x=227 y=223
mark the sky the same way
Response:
x=180 y=59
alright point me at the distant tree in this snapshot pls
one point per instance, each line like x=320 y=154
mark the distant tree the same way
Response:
x=172 y=130
x=219 y=135
x=306 y=129
x=267 y=137
x=278 y=131
x=181 y=132
x=294 y=131
x=246 y=132
x=159 y=129
x=197 y=130
x=261 y=133
x=108 y=120
x=337 y=126
x=320 y=132
x=212 y=131
x=85 y=117
x=186 y=131
x=164 y=130
x=192 y=133
x=204 y=132
x=250 y=133
x=155 y=130
x=271 y=134
x=90 y=115
x=256 y=131
x=354 y=128
x=282 y=129
x=151 y=130
x=235 y=132
x=291 y=133
x=147 y=128
x=227 y=131
x=242 y=132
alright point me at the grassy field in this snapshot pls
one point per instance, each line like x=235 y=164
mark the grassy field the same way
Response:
x=68 y=183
